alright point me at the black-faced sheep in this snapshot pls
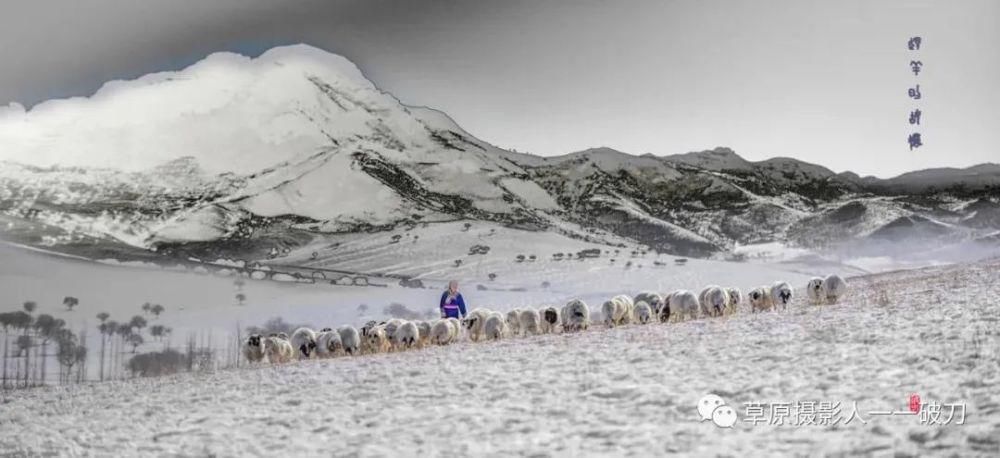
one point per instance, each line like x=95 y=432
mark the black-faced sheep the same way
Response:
x=304 y=341
x=253 y=348
x=576 y=316
x=550 y=319
x=475 y=323
x=760 y=299
x=781 y=294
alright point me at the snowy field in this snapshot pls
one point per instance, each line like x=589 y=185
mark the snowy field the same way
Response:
x=629 y=391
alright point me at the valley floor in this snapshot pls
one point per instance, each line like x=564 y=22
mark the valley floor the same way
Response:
x=629 y=391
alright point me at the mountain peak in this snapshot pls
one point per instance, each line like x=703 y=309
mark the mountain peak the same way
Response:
x=716 y=159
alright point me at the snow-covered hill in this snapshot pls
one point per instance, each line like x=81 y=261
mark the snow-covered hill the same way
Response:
x=244 y=158
x=628 y=391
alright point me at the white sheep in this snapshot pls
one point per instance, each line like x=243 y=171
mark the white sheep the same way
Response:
x=456 y=328
x=714 y=301
x=760 y=298
x=643 y=312
x=814 y=290
x=377 y=341
x=442 y=332
x=834 y=288
x=530 y=322
x=652 y=299
x=495 y=327
x=614 y=312
x=390 y=328
x=576 y=316
x=514 y=321
x=407 y=335
x=682 y=303
x=735 y=299
x=351 y=339
x=304 y=341
x=425 y=332
x=278 y=350
x=550 y=319
x=328 y=344
x=253 y=348
x=781 y=294
x=475 y=323
x=629 y=307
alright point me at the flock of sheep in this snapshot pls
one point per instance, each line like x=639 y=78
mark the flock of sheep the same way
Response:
x=481 y=324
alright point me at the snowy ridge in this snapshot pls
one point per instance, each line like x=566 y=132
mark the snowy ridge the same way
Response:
x=282 y=150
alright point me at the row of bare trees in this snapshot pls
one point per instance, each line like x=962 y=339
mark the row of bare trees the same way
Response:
x=117 y=336
x=31 y=341
x=27 y=339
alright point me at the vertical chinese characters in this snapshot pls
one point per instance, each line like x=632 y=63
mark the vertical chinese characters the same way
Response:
x=914 y=92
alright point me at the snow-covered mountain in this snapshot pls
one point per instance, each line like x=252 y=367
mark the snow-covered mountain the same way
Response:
x=257 y=158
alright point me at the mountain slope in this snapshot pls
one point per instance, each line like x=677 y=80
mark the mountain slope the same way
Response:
x=255 y=158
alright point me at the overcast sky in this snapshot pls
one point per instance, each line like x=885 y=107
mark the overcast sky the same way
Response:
x=822 y=81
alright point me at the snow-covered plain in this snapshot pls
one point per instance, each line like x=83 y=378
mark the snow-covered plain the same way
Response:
x=630 y=391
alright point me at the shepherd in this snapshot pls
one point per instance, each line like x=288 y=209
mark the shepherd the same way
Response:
x=452 y=304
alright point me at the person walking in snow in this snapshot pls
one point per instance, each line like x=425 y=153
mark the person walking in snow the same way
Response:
x=452 y=303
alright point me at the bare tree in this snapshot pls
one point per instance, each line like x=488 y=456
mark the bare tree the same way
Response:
x=103 y=317
x=70 y=302
x=24 y=342
x=135 y=340
x=46 y=327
